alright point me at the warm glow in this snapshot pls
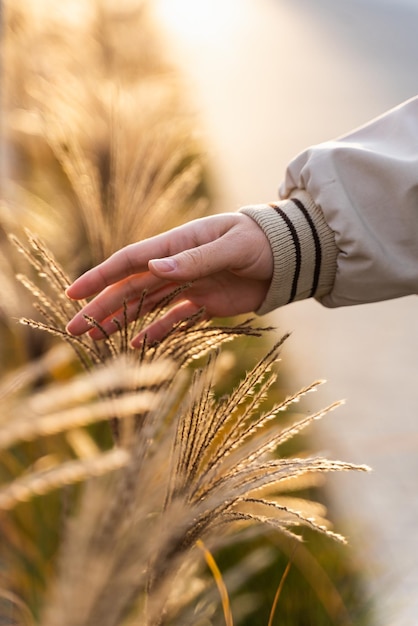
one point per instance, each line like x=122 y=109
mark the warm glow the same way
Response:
x=199 y=20
x=74 y=13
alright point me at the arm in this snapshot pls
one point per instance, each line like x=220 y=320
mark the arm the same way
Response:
x=227 y=257
x=361 y=193
x=237 y=262
x=366 y=185
x=345 y=231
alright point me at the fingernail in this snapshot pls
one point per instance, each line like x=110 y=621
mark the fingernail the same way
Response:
x=71 y=326
x=138 y=341
x=163 y=265
x=68 y=328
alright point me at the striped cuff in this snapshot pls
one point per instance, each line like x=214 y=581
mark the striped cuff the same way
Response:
x=303 y=246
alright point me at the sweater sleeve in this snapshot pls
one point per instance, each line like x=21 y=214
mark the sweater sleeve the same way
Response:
x=303 y=247
x=366 y=186
x=345 y=229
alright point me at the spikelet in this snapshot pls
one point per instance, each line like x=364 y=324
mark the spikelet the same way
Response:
x=196 y=464
x=156 y=485
x=41 y=483
x=184 y=466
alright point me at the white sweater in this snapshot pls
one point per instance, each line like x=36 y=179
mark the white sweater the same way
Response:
x=345 y=229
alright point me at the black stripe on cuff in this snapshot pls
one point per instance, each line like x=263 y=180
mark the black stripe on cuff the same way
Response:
x=298 y=251
x=317 y=244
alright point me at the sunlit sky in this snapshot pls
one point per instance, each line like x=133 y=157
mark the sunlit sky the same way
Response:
x=199 y=20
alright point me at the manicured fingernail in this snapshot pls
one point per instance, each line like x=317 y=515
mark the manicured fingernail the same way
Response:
x=72 y=326
x=68 y=328
x=163 y=265
x=137 y=342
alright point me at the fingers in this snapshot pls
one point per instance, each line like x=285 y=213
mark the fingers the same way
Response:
x=226 y=258
x=128 y=261
x=119 y=304
x=154 y=331
x=241 y=247
x=133 y=259
x=195 y=263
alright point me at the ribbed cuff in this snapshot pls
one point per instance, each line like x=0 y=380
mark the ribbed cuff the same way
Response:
x=303 y=246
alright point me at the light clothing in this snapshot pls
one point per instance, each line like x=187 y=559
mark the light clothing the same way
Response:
x=345 y=229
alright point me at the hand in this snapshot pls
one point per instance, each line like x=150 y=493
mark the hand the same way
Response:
x=227 y=257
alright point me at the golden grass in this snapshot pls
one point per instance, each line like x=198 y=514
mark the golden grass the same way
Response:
x=114 y=462
x=186 y=465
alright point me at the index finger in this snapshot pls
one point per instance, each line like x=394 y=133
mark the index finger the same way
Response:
x=132 y=259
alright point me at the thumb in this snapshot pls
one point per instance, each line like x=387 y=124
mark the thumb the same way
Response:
x=193 y=263
x=163 y=266
x=184 y=266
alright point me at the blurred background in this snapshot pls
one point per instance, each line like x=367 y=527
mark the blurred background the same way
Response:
x=267 y=79
x=258 y=81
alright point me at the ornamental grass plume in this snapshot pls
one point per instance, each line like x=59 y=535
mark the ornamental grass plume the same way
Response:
x=98 y=109
x=98 y=148
x=184 y=466
x=116 y=464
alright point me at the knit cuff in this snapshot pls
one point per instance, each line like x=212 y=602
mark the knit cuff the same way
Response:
x=303 y=247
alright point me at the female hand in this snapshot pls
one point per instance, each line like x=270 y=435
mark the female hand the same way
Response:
x=226 y=257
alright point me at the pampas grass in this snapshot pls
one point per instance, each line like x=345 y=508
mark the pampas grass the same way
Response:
x=187 y=465
x=117 y=464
